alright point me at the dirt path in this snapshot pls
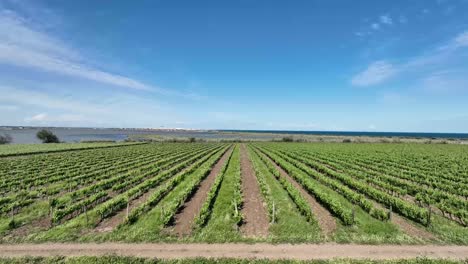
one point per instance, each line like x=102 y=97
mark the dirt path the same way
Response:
x=184 y=219
x=325 y=220
x=260 y=251
x=255 y=216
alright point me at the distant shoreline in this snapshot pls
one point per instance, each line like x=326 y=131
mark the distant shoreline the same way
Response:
x=439 y=135
x=27 y=135
x=434 y=135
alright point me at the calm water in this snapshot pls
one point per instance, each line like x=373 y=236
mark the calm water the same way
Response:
x=28 y=135
x=22 y=136
x=370 y=134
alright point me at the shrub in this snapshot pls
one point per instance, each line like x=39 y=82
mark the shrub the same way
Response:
x=347 y=140
x=47 y=136
x=5 y=139
x=287 y=139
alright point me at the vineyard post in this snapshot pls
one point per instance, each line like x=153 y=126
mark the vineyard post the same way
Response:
x=127 y=209
x=86 y=214
x=50 y=207
x=235 y=206
x=354 y=212
x=13 y=213
x=429 y=215
x=273 y=218
x=390 y=213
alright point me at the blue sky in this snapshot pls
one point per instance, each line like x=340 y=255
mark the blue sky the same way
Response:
x=296 y=65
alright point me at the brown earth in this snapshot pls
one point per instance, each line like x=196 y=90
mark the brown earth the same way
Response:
x=255 y=216
x=108 y=224
x=239 y=251
x=411 y=229
x=404 y=225
x=326 y=221
x=185 y=218
x=42 y=223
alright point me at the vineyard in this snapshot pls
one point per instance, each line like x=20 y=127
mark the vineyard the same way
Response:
x=222 y=192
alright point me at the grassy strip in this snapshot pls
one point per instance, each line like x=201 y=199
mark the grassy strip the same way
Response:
x=264 y=187
x=299 y=200
x=290 y=224
x=324 y=197
x=205 y=211
x=226 y=217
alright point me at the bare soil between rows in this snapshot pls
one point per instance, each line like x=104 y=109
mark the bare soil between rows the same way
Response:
x=239 y=251
x=325 y=219
x=185 y=218
x=255 y=216
x=402 y=223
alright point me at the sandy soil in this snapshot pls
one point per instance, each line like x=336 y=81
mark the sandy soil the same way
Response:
x=184 y=219
x=255 y=216
x=269 y=251
x=324 y=218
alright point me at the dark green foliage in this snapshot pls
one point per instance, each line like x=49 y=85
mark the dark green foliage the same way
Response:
x=46 y=136
x=5 y=139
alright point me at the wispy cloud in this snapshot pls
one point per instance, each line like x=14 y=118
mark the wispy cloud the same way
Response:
x=379 y=71
x=375 y=26
x=45 y=118
x=446 y=82
x=375 y=73
x=461 y=40
x=386 y=19
x=17 y=96
x=23 y=45
x=106 y=110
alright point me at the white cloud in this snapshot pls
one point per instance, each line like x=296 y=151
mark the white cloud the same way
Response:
x=375 y=73
x=14 y=30
x=461 y=40
x=375 y=26
x=446 y=82
x=440 y=58
x=42 y=118
x=22 y=45
x=37 y=99
x=386 y=19
x=107 y=110
x=39 y=117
